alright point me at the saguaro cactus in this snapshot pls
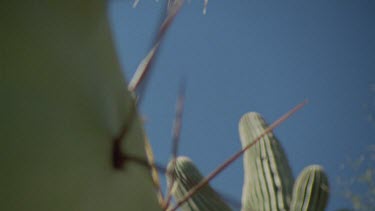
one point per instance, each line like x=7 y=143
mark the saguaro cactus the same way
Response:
x=268 y=178
x=186 y=176
x=63 y=102
x=311 y=190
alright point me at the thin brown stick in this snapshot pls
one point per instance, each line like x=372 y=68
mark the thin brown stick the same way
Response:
x=154 y=171
x=205 y=7
x=178 y=120
x=145 y=163
x=237 y=155
x=137 y=84
x=139 y=80
x=175 y=139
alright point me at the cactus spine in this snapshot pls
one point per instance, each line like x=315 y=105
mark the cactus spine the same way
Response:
x=310 y=191
x=268 y=178
x=186 y=177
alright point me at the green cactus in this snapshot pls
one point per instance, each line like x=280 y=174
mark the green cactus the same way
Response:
x=63 y=102
x=186 y=176
x=311 y=190
x=268 y=178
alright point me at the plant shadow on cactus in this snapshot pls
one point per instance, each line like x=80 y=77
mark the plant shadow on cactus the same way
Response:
x=268 y=179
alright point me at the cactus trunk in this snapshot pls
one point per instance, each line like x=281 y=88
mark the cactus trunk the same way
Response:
x=63 y=102
x=268 y=177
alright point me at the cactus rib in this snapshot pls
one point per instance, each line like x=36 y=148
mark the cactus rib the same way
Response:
x=186 y=176
x=311 y=190
x=268 y=177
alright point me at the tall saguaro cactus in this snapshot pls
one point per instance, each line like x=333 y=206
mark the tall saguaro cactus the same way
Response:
x=268 y=178
x=186 y=176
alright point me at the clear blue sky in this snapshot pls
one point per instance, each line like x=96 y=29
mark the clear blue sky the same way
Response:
x=263 y=56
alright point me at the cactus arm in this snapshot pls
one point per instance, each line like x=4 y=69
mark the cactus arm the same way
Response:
x=311 y=190
x=63 y=101
x=268 y=178
x=186 y=177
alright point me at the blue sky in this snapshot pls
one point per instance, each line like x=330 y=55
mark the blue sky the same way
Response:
x=264 y=56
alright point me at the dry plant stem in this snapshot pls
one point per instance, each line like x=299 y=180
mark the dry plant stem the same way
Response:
x=175 y=138
x=154 y=171
x=145 y=163
x=138 y=84
x=178 y=120
x=139 y=79
x=135 y=3
x=205 y=7
x=237 y=155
